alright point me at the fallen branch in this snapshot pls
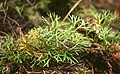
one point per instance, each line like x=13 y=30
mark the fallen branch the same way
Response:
x=71 y=10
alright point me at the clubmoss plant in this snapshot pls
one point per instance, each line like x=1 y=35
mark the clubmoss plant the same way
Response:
x=57 y=43
x=105 y=33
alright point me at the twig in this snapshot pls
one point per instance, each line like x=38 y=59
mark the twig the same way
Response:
x=5 y=3
x=34 y=72
x=4 y=33
x=71 y=10
x=70 y=66
x=13 y=21
x=54 y=72
x=65 y=46
x=5 y=14
x=74 y=46
x=110 y=68
x=90 y=65
x=12 y=30
x=44 y=72
x=31 y=2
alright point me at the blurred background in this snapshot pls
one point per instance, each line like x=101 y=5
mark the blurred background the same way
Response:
x=16 y=15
